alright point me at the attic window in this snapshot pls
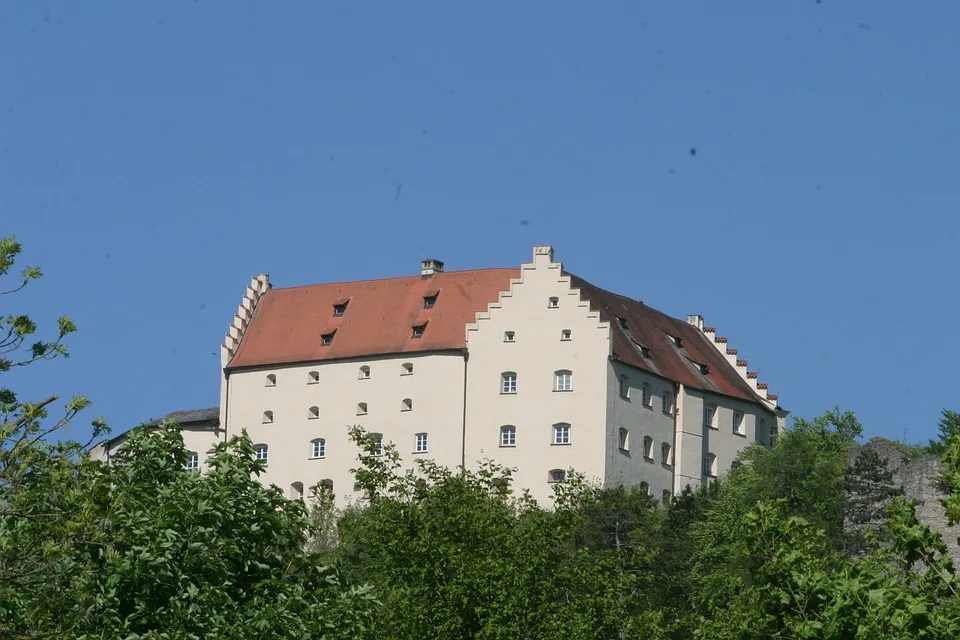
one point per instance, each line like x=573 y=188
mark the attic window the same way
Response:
x=677 y=341
x=645 y=352
x=623 y=323
x=326 y=339
x=339 y=308
x=704 y=369
x=430 y=299
x=418 y=330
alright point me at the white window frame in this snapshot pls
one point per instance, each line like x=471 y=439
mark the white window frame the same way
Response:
x=193 y=461
x=710 y=421
x=561 y=433
x=378 y=449
x=318 y=448
x=738 y=423
x=508 y=382
x=261 y=452
x=508 y=435
x=420 y=443
x=647 y=448
x=563 y=380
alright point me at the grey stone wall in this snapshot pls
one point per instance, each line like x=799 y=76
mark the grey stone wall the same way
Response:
x=920 y=481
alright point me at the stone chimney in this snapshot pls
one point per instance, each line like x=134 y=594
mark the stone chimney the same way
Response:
x=430 y=266
x=695 y=320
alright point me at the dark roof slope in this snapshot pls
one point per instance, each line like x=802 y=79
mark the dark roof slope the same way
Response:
x=186 y=417
x=288 y=324
x=638 y=329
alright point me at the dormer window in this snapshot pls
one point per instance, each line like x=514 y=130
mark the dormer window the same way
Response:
x=339 y=308
x=326 y=339
x=418 y=330
x=677 y=341
x=553 y=303
x=623 y=323
x=644 y=351
x=430 y=299
x=704 y=369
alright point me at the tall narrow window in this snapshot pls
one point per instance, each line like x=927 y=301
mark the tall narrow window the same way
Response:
x=563 y=380
x=738 y=423
x=561 y=433
x=318 y=448
x=645 y=395
x=361 y=408
x=508 y=436
x=313 y=413
x=624 y=387
x=406 y=369
x=313 y=377
x=710 y=416
x=420 y=443
x=296 y=491
x=260 y=452
x=193 y=461
x=648 y=447
x=710 y=465
x=267 y=417
x=364 y=373
x=645 y=487
x=271 y=380
x=406 y=405
x=378 y=445
x=556 y=475
x=667 y=399
x=665 y=454
x=624 y=440
x=508 y=382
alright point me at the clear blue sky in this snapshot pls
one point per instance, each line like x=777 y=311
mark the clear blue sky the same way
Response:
x=154 y=156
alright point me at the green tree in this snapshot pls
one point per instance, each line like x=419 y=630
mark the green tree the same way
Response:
x=948 y=426
x=458 y=555
x=869 y=489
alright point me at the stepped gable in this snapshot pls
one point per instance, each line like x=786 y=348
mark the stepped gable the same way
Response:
x=288 y=323
x=638 y=328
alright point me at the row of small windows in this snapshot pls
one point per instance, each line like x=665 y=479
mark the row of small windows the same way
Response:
x=665 y=448
x=429 y=302
x=313 y=377
x=313 y=412
x=561 y=434
x=646 y=399
x=562 y=381
x=417 y=331
x=318 y=449
x=511 y=336
x=737 y=424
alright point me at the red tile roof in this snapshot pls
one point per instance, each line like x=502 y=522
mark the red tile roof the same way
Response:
x=380 y=315
x=378 y=319
x=644 y=326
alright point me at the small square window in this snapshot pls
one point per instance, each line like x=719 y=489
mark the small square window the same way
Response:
x=267 y=417
x=557 y=475
x=313 y=413
x=271 y=380
x=509 y=336
x=406 y=405
x=313 y=377
x=364 y=373
x=418 y=330
x=429 y=301
x=566 y=334
x=339 y=308
x=361 y=408
x=326 y=339
x=553 y=303
x=420 y=443
x=406 y=369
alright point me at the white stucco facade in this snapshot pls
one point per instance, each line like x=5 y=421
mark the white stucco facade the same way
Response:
x=593 y=419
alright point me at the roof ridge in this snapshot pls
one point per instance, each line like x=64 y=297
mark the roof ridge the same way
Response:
x=412 y=276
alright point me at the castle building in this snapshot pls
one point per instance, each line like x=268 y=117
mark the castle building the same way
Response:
x=533 y=368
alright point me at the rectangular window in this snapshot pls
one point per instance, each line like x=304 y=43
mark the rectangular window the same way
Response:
x=418 y=330
x=420 y=443
x=738 y=422
x=193 y=462
x=624 y=387
x=667 y=403
x=429 y=301
x=378 y=445
x=338 y=309
x=509 y=383
x=557 y=475
x=708 y=462
x=561 y=434
x=260 y=452
x=648 y=447
x=624 y=435
x=319 y=448
x=645 y=395
x=564 y=381
x=553 y=303
x=709 y=416
x=508 y=436
x=508 y=336
x=326 y=339
x=566 y=334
